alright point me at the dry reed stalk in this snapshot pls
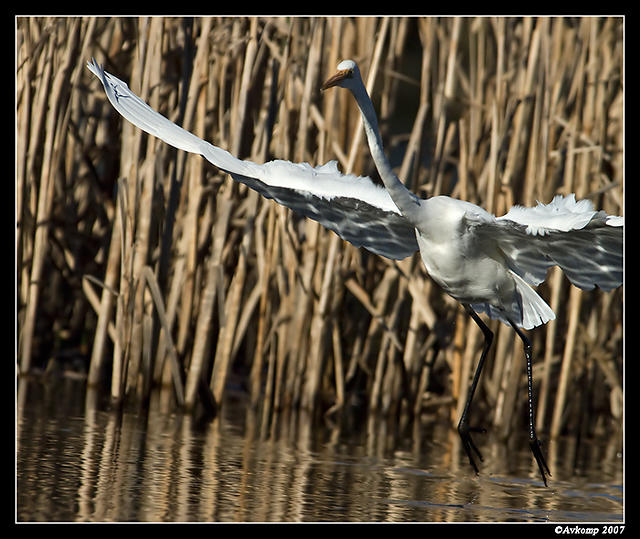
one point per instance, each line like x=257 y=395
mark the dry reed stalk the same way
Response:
x=105 y=308
x=222 y=359
x=265 y=276
x=179 y=283
x=498 y=383
x=555 y=284
x=30 y=131
x=122 y=338
x=317 y=328
x=206 y=311
x=143 y=206
x=50 y=158
x=380 y=300
x=396 y=385
x=128 y=192
x=517 y=109
x=152 y=283
x=31 y=288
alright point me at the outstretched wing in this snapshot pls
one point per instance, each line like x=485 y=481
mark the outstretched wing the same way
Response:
x=353 y=207
x=585 y=243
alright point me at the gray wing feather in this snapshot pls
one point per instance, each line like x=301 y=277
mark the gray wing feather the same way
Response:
x=589 y=256
x=382 y=232
x=368 y=218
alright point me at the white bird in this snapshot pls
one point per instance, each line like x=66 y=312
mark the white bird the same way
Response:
x=487 y=263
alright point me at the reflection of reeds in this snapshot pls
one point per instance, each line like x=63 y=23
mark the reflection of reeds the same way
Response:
x=162 y=270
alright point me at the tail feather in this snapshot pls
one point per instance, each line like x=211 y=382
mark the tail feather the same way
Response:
x=527 y=309
x=535 y=311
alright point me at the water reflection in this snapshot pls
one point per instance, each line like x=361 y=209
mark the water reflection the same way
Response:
x=78 y=462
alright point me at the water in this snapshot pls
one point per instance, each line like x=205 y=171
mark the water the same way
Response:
x=77 y=461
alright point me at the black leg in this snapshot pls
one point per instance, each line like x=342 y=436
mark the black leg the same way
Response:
x=464 y=429
x=534 y=443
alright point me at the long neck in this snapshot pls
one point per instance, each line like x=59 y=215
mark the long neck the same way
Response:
x=405 y=200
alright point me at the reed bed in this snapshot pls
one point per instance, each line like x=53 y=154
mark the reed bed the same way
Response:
x=149 y=267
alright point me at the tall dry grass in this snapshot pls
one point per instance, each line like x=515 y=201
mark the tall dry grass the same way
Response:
x=152 y=267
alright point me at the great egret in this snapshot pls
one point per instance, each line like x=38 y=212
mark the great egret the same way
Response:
x=485 y=262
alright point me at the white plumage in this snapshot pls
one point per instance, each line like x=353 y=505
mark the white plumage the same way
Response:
x=365 y=214
x=487 y=263
x=353 y=207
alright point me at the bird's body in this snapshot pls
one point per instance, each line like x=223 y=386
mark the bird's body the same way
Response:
x=486 y=263
x=472 y=268
x=469 y=271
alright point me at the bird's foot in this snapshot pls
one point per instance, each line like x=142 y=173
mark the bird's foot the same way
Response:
x=464 y=430
x=536 y=449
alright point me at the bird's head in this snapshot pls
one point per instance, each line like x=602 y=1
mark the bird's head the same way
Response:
x=347 y=76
